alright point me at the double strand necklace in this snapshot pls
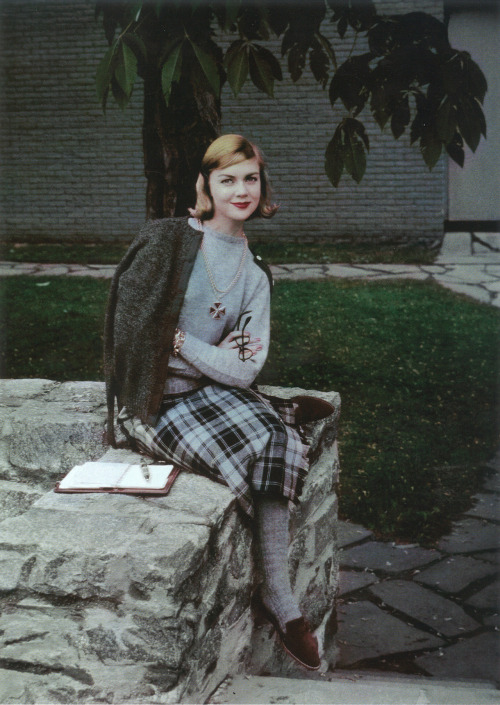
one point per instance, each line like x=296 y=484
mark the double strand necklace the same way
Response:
x=217 y=310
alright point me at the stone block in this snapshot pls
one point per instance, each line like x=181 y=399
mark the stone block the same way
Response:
x=387 y=557
x=147 y=597
x=16 y=498
x=367 y=632
x=486 y=599
x=471 y=535
x=455 y=573
x=475 y=659
x=349 y=534
x=352 y=580
x=486 y=506
x=437 y=613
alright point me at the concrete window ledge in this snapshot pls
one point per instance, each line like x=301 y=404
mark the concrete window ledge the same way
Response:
x=118 y=598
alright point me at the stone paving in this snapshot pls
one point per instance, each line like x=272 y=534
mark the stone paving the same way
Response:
x=421 y=611
x=459 y=267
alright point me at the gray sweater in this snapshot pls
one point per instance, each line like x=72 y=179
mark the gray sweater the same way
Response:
x=200 y=357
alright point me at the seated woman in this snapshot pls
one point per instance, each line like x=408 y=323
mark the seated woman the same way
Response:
x=187 y=331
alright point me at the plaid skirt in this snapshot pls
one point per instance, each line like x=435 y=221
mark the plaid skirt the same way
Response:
x=236 y=436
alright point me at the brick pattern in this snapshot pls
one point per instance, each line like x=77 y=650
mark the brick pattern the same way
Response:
x=72 y=173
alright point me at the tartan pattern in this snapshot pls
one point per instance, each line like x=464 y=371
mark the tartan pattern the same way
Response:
x=236 y=436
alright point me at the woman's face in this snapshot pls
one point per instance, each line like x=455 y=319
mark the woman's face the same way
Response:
x=235 y=191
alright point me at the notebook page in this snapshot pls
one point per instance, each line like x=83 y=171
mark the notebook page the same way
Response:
x=93 y=475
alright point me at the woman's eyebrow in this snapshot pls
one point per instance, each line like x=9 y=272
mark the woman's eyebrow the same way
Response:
x=231 y=176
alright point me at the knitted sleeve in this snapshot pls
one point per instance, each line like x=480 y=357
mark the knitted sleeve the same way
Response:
x=225 y=366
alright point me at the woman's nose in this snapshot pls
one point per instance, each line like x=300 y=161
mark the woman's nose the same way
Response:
x=241 y=188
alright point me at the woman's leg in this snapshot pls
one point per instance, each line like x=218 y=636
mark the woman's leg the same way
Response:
x=272 y=518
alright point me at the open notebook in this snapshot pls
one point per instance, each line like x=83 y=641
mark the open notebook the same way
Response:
x=121 y=478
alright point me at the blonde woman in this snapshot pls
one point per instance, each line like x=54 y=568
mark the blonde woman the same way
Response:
x=187 y=332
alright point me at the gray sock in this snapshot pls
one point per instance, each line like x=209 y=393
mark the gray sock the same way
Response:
x=272 y=528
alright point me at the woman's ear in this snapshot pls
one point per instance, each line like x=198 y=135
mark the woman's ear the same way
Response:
x=200 y=197
x=199 y=183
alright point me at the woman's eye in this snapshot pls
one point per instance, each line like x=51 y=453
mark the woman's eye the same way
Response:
x=252 y=178
x=226 y=181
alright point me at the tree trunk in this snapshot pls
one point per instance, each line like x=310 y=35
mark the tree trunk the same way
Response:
x=175 y=138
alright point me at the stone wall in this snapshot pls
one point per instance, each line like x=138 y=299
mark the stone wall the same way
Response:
x=118 y=599
x=71 y=173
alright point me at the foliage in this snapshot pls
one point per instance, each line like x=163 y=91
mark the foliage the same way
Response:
x=416 y=366
x=410 y=78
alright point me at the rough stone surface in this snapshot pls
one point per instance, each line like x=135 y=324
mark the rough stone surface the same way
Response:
x=477 y=658
x=488 y=598
x=469 y=536
x=455 y=574
x=119 y=598
x=486 y=506
x=348 y=533
x=351 y=580
x=387 y=557
x=361 y=627
x=492 y=482
x=439 y=614
x=351 y=688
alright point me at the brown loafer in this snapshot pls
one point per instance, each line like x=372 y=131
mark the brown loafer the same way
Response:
x=297 y=639
x=311 y=409
x=300 y=643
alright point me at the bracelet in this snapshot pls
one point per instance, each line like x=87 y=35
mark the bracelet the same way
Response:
x=179 y=339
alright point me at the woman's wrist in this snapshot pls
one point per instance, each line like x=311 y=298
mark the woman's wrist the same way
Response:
x=179 y=338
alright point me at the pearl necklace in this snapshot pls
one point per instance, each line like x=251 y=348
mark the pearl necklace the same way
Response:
x=217 y=310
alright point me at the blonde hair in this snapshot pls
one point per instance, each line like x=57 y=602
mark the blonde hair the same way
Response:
x=223 y=152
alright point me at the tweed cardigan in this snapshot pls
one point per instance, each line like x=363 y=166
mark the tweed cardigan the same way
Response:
x=144 y=303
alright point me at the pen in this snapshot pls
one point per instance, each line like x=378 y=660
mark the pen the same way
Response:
x=145 y=470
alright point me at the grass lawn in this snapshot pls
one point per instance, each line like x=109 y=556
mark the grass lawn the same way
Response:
x=271 y=252
x=415 y=364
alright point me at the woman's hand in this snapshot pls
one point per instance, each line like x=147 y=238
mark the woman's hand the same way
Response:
x=243 y=341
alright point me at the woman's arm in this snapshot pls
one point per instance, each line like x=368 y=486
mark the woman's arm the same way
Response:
x=227 y=363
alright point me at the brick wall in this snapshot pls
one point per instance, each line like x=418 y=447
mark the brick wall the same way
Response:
x=69 y=172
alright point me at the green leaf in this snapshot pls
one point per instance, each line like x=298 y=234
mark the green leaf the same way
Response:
x=264 y=69
x=237 y=65
x=446 y=120
x=470 y=121
x=334 y=159
x=171 y=71
x=380 y=106
x=327 y=47
x=475 y=80
x=319 y=63
x=209 y=67
x=105 y=72
x=351 y=82
x=126 y=70
x=400 y=118
x=118 y=94
x=430 y=147
x=296 y=61
x=355 y=158
x=134 y=12
x=136 y=43
x=342 y=26
x=455 y=149
x=354 y=149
